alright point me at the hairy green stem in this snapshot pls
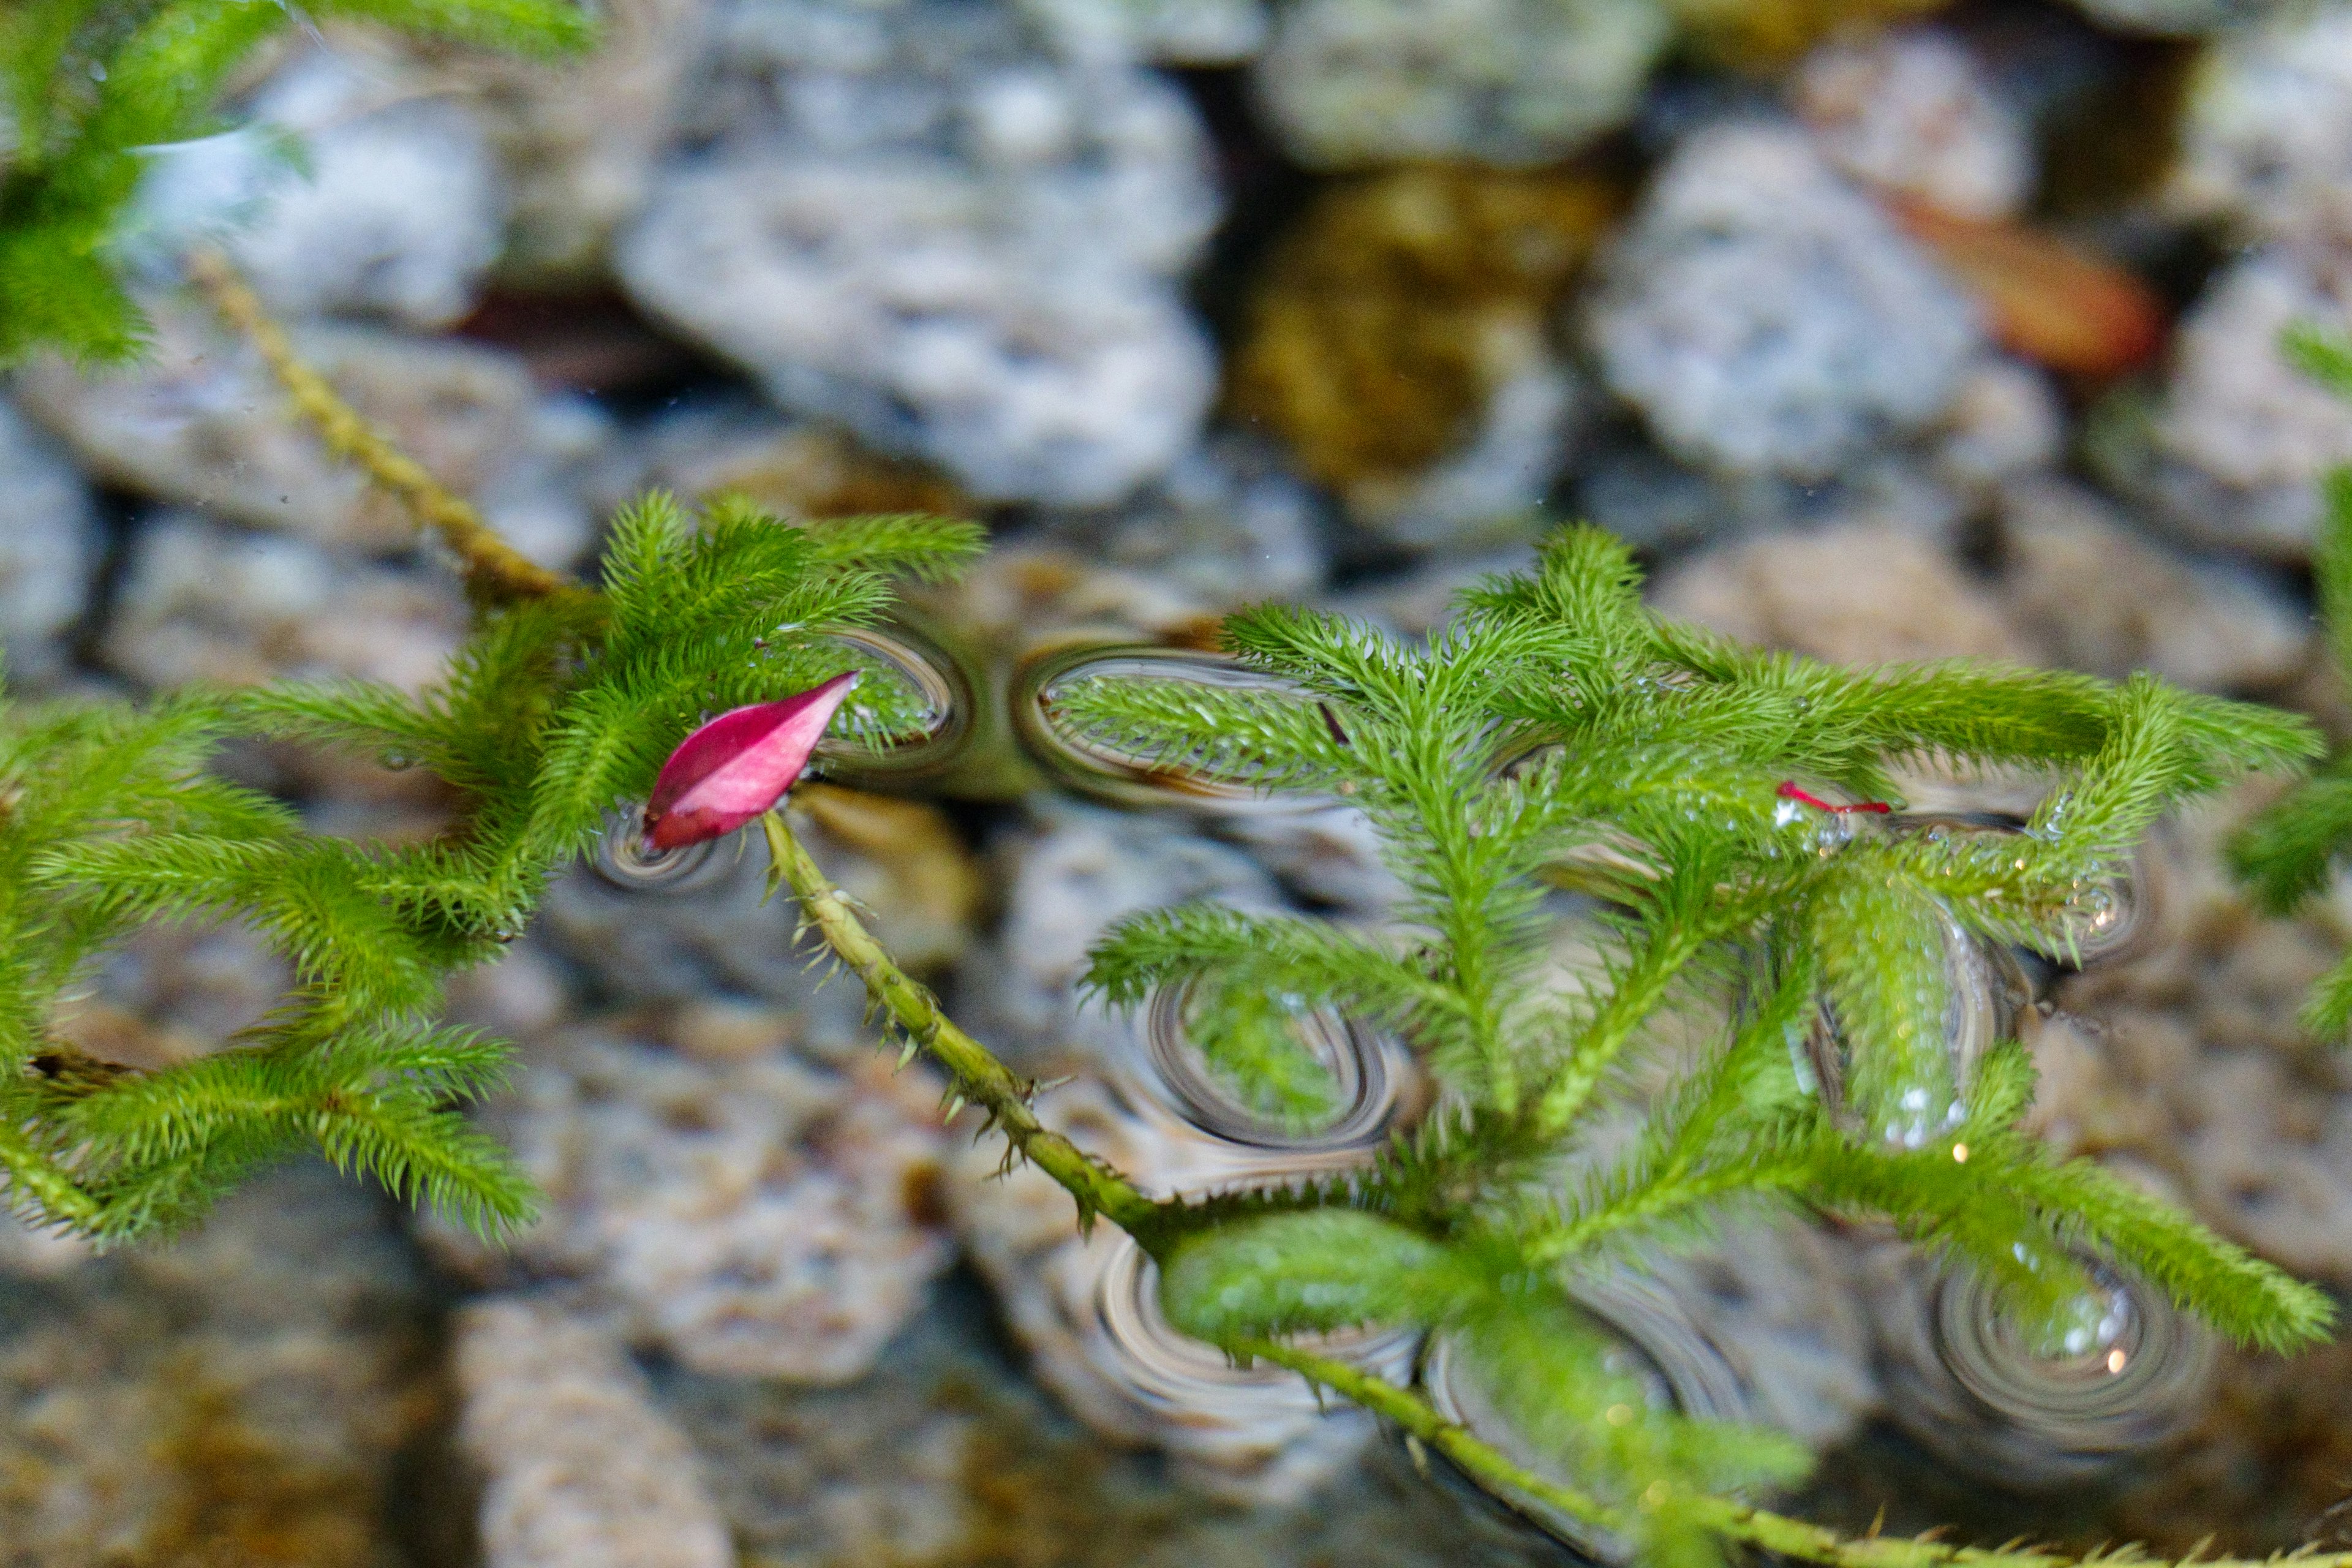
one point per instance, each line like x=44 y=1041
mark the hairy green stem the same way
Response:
x=1638 y=994
x=27 y=1168
x=496 y=573
x=495 y=570
x=985 y=1081
x=1419 y=1420
x=973 y=1067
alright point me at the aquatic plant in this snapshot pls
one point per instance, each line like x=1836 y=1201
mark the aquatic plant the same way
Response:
x=2287 y=853
x=95 y=86
x=1777 y=938
x=562 y=704
x=1729 y=815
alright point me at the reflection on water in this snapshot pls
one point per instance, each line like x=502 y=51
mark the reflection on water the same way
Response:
x=624 y=860
x=1362 y=1077
x=943 y=704
x=1111 y=767
x=2125 y=1374
x=1653 y=1338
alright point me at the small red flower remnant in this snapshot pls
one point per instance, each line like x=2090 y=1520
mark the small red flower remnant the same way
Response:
x=1789 y=791
x=739 y=765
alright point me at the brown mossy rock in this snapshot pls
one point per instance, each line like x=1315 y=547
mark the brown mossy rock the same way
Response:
x=1765 y=35
x=1372 y=342
x=816 y=471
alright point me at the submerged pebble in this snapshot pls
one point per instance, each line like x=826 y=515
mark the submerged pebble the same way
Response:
x=205 y=602
x=2243 y=437
x=1851 y=592
x=2101 y=594
x=2265 y=134
x=199 y=422
x=577 y=1468
x=254 y=1394
x=964 y=249
x=1399 y=341
x=1764 y=316
x=396 y=208
x=1508 y=82
x=752 y=1213
x=49 y=560
x=1915 y=112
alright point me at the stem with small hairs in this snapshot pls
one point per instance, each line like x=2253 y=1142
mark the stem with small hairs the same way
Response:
x=985 y=1081
x=496 y=573
x=976 y=1073
x=495 y=570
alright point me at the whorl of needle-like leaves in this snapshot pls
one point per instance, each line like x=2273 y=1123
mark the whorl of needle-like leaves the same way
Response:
x=2287 y=854
x=554 y=713
x=1556 y=735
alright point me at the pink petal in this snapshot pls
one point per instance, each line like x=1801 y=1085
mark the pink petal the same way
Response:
x=739 y=765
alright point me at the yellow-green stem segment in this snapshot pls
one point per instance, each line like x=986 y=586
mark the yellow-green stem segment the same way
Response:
x=495 y=570
x=1415 y=1417
x=986 y=1083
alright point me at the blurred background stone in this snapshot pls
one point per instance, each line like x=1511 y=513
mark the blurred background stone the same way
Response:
x=1166 y=32
x=916 y=219
x=2102 y=595
x=1398 y=343
x=576 y=1465
x=253 y=1393
x=1765 y=317
x=2264 y=138
x=1915 y=112
x=393 y=207
x=1857 y=593
x=2176 y=17
x=750 y=1212
x=579 y=140
x=2243 y=437
x=200 y=422
x=1762 y=35
x=49 y=556
x=203 y=601
x=1507 y=82
x=1229 y=525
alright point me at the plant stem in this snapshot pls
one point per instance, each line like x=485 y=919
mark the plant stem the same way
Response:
x=28 y=1167
x=1759 y=1527
x=1639 y=989
x=495 y=570
x=985 y=1081
x=973 y=1067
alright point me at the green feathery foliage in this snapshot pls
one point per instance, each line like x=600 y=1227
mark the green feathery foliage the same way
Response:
x=555 y=712
x=1554 y=734
x=93 y=85
x=2286 y=855
x=1785 y=968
